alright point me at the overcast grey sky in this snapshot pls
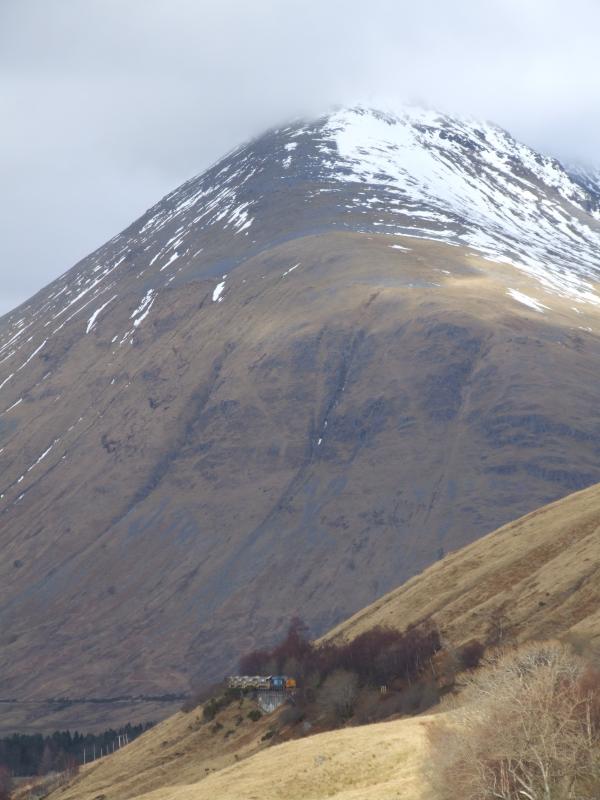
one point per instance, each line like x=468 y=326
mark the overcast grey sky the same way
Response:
x=108 y=104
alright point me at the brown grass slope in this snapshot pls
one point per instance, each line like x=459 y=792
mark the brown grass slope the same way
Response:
x=181 y=749
x=373 y=762
x=536 y=578
x=381 y=761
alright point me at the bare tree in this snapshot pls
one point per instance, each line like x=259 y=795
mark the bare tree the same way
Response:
x=529 y=730
x=339 y=693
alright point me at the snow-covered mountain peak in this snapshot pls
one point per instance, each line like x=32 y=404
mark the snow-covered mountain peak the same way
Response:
x=467 y=182
x=412 y=173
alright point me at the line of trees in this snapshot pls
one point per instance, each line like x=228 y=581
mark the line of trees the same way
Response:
x=341 y=680
x=23 y=755
x=376 y=656
x=381 y=673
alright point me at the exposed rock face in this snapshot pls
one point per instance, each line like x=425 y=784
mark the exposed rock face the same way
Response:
x=348 y=347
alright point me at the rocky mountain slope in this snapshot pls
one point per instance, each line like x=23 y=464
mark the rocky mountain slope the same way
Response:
x=348 y=347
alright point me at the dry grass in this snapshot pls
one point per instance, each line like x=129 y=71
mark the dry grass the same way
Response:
x=182 y=749
x=373 y=762
x=172 y=762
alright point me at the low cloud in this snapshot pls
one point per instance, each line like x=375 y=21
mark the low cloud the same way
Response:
x=107 y=105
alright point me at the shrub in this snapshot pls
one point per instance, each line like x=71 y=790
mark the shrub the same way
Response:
x=471 y=654
x=419 y=697
x=254 y=715
x=381 y=655
x=338 y=694
x=529 y=730
x=216 y=704
x=372 y=706
x=210 y=710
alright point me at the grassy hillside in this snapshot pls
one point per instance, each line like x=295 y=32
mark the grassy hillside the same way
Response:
x=373 y=762
x=379 y=761
x=181 y=749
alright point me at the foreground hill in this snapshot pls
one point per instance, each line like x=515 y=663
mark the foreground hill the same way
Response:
x=536 y=578
x=372 y=762
x=349 y=347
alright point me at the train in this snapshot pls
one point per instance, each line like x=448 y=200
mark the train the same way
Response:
x=264 y=682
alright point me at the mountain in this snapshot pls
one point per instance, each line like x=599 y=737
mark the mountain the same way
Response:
x=350 y=346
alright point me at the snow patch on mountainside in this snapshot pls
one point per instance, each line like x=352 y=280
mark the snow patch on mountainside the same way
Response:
x=218 y=291
x=525 y=300
x=142 y=311
x=91 y=324
x=211 y=200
